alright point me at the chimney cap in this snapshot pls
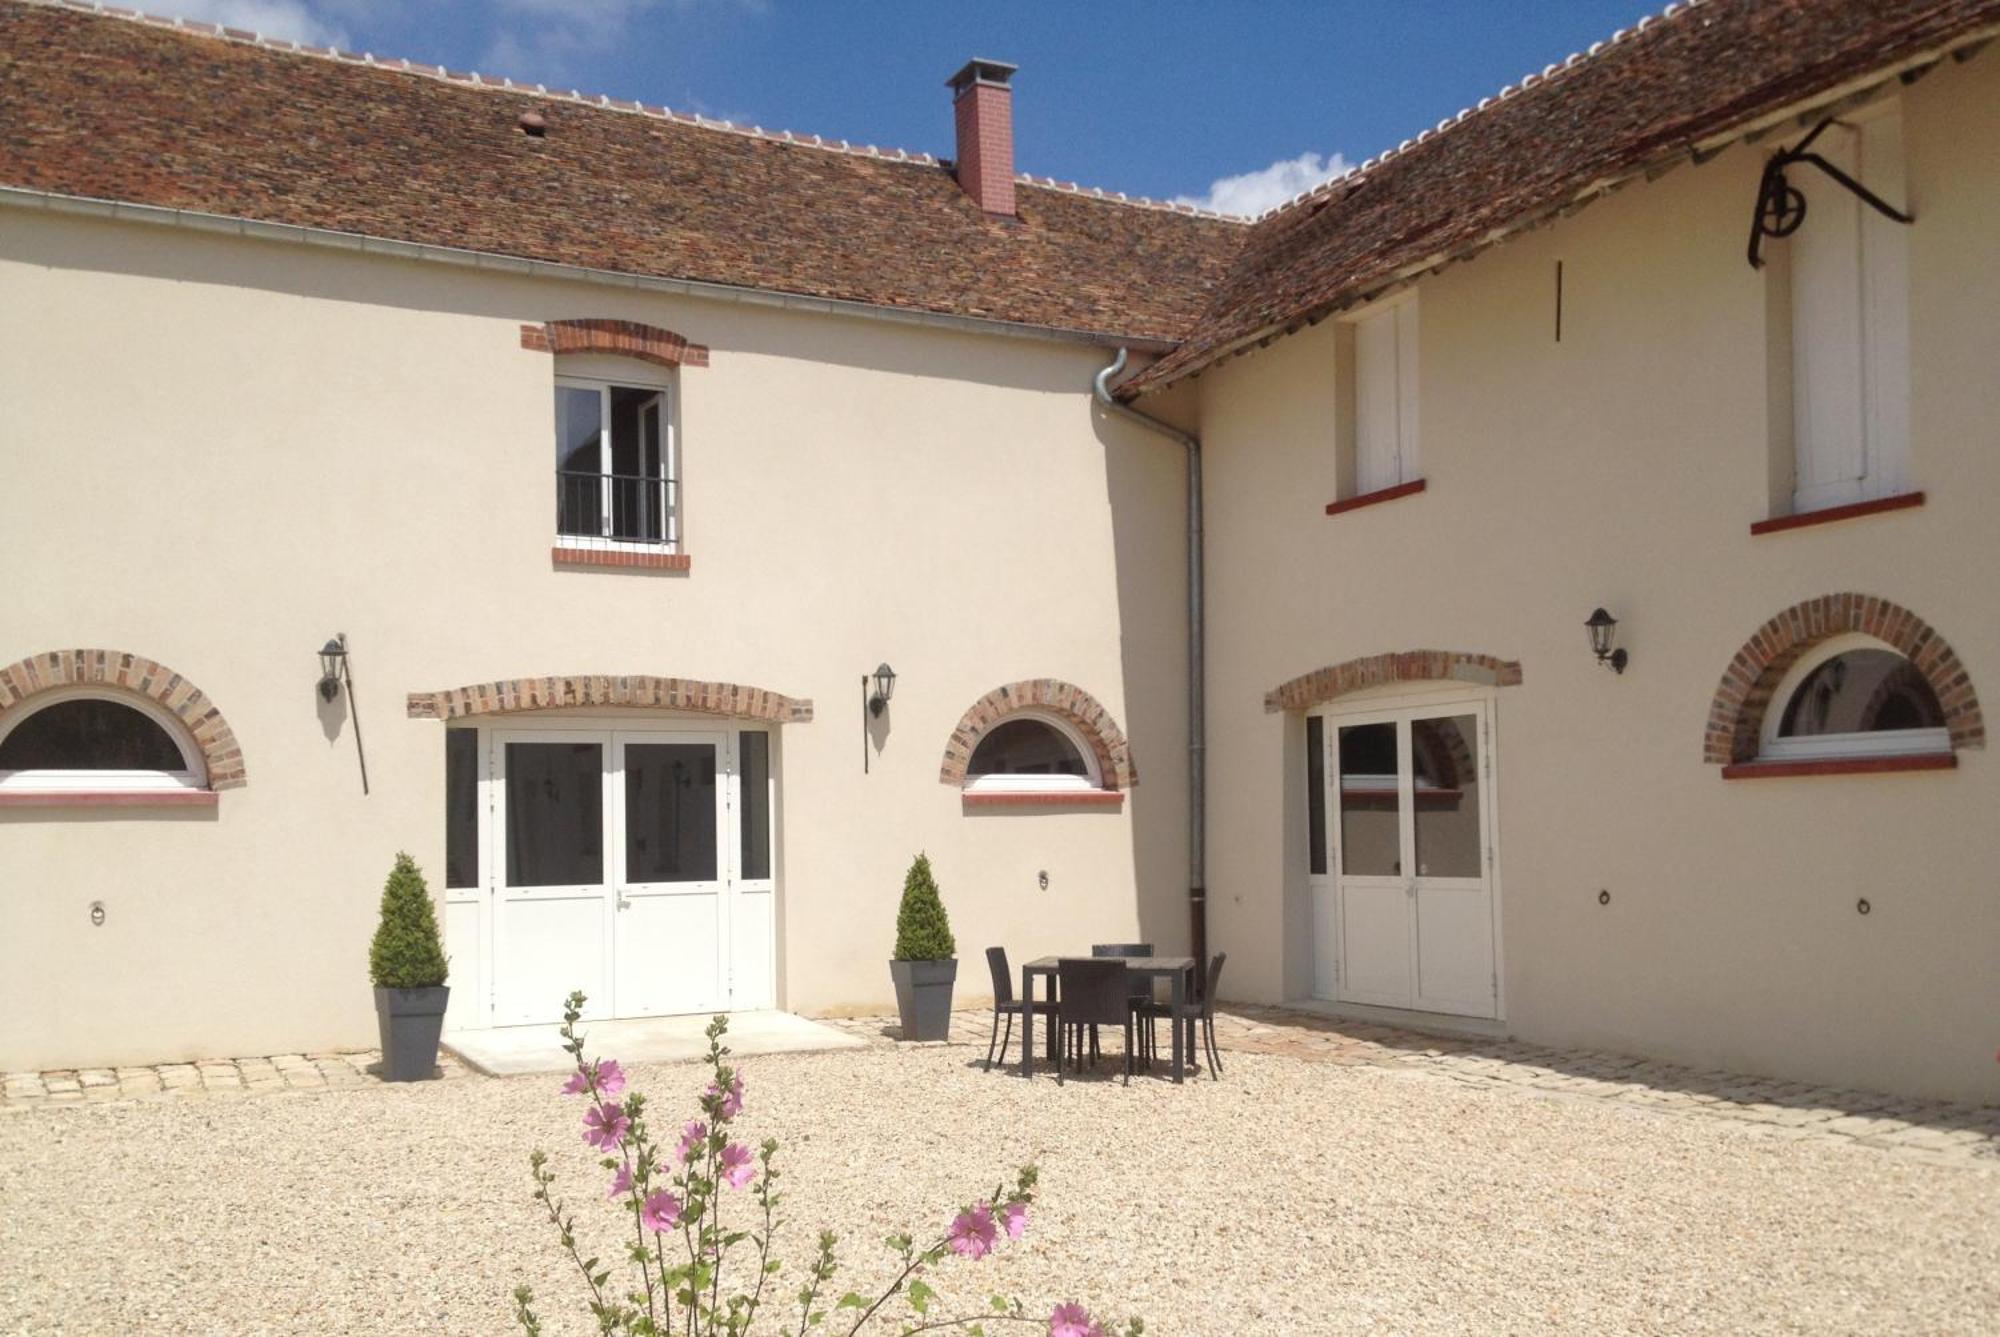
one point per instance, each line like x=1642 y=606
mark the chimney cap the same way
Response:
x=977 y=71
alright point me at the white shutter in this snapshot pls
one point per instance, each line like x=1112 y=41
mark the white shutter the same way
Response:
x=1885 y=309
x=1385 y=398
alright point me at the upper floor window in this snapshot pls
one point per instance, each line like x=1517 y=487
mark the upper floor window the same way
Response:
x=1383 y=415
x=1853 y=696
x=83 y=742
x=1848 y=269
x=1030 y=754
x=617 y=466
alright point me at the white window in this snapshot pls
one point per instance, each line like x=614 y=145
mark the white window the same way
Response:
x=1031 y=754
x=617 y=468
x=1385 y=396
x=1852 y=696
x=74 y=741
x=1850 y=319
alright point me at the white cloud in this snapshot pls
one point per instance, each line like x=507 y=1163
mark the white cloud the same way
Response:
x=291 y=19
x=1254 y=193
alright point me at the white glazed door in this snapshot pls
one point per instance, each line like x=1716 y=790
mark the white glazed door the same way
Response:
x=552 y=899
x=671 y=920
x=1409 y=792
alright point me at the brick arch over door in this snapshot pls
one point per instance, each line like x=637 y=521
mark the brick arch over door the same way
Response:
x=1354 y=675
x=1736 y=715
x=620 y=338
x=1065 y=700
x=221 y=757
x=573 y=691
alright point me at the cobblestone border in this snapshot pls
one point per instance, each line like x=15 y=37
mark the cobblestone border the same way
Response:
x=21 y=1091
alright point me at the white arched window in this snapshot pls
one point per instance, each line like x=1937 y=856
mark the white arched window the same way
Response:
x=1032 y=753
x=82 y=741
x=1852 y=696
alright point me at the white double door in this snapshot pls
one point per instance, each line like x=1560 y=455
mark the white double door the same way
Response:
x=1404 y=915
x=633 y=864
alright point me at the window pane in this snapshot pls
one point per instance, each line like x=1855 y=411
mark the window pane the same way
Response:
x=555 y=814
x=637 y=494
x=669 y=812
x=1444 y=754
x=1370 y=808
x=89 y=735
x=754 y=753
x=461 y=807
x=1862 y=691
x=579 y=504
x=1026 y=747
x=1315 y=794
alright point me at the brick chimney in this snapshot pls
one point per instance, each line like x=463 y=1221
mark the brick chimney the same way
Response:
x=983 y=99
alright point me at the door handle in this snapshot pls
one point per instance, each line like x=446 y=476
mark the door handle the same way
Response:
x=1410 y=888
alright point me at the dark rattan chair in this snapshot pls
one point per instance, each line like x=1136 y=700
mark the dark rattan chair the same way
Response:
x=1142 y=991
x=1200 y=1010
x=1004 y=1004
x=1091 y=992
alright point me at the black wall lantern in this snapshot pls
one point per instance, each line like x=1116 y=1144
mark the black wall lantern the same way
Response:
x=1603 y=632
x=333 y=671
x=876 y=689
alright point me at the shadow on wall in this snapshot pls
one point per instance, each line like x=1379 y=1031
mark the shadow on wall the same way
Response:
x=308 y=271
x=1145 y=476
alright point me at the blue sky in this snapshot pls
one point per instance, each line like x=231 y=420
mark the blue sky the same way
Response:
x=1236 y=105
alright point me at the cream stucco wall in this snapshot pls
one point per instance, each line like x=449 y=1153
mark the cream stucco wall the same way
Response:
x=1623 y=466
x=218 y=453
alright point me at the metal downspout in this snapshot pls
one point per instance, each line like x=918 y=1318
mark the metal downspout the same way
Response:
x=1197 y=738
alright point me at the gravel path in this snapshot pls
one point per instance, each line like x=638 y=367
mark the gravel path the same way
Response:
x=1291 y=1198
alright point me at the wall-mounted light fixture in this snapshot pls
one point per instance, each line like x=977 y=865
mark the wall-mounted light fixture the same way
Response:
x=1603 y=634
x=333 y=671
x=876 y=689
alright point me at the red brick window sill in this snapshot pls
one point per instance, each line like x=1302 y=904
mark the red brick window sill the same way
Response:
x=1408 y=489
x=109 y=798
x=1774 y=770
x=621 y=559
x=1902 y=501
x=1076 y=798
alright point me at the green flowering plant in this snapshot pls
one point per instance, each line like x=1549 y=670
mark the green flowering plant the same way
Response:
x=677 y=1277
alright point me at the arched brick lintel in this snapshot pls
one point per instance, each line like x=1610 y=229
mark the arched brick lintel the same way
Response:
x=118 y=671
x=574 y=691
x=1354 y=675
x=1071 y=703
x=620 y=338
x=1736 y=715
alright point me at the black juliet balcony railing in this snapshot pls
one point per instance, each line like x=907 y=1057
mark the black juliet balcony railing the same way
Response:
x=601 y=509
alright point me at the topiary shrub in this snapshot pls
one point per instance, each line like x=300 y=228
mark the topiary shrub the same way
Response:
x=406 y=953
x=923 y=932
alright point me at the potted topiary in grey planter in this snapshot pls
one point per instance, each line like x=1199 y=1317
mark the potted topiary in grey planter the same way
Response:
x=926 y=957
x=406 y=961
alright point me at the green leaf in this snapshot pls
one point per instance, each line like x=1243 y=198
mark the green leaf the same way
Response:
x=851 y=1301
x=920 y=1296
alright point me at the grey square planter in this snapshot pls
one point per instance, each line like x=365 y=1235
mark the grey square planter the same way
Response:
x=411 y=1021
x=923 y=997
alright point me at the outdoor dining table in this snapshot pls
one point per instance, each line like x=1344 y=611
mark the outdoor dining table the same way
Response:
x=1177 y=970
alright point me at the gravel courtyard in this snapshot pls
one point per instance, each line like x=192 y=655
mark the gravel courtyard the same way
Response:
x=1291 y=1198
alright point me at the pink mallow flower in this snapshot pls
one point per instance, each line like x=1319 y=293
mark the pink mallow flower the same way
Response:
x=610 y=1077
x=1014 y=1219
x=661 y=1213
x=732 y=1101
x=693 y=1134
x=576 y=1085
x=621 y=1183
x=739 y=1167
x=1071 y=1320
x=605 y=1126
x=971 y=1234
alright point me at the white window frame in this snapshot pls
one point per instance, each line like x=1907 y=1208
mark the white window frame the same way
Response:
x=1831 y=746
x=591 y=373
x=192 y=775
x=1091 y=780
x=1863 y=448
x=1402 y=466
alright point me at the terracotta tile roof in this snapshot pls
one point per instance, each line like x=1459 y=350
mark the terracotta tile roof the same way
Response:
x=1634 y=103
x=122 y=108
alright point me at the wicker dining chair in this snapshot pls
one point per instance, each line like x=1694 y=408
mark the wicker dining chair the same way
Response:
x=1142 y=993
x=1004 y=1004
x=1198 y=1010
x=1091 y=992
